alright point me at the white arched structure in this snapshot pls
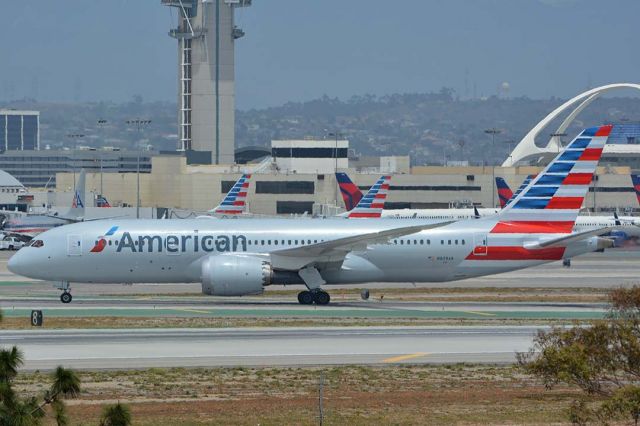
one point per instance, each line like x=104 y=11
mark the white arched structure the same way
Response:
x=527 y=150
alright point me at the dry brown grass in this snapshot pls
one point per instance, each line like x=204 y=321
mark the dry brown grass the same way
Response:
x=16 y=323
x=459 y=394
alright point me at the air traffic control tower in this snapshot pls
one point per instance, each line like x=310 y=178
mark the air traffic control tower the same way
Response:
x=206 y=36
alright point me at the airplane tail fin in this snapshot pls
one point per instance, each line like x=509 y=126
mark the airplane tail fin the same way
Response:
x=235 y=202
x=550 y=203
x=78 y=203
x=372 y=203
x=504 y=192
x=351 y=194
x=636 y=185
x=101 y=201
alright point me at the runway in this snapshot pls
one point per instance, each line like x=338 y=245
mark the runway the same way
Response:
x=266 y=307
x=144 y=348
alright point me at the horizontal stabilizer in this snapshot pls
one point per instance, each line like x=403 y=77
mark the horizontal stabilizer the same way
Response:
x=571 y=238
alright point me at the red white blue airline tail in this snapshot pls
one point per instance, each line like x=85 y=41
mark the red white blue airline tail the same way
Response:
x=235 y=202
x=552 y=200
x=635 y=179
x=372 y=203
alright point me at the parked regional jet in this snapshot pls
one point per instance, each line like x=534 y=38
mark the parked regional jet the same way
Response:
x=234 y=258
x=32 y=225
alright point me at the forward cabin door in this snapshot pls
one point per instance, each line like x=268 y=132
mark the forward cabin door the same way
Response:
x=74 y=245
x=480 y=244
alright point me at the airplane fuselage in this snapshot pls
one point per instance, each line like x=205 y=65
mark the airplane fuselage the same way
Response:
x=172 y=251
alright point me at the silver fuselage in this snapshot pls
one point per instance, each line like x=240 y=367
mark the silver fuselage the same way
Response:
x=172 y=251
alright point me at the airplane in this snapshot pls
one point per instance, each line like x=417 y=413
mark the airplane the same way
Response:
x=28 y=226
x=101 y=201
x=635 y=179
x=371 y=204
x=625 y=230
x=236 y=258
x=235 y=202
x=348 y=187
x=504 y=192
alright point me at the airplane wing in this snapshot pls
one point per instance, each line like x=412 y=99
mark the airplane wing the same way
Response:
x=335 y=250
x=567 y=239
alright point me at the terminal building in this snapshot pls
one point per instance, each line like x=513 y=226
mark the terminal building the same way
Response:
x=19 y=130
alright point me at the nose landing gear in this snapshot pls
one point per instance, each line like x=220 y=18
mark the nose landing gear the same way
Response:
x=65 y=297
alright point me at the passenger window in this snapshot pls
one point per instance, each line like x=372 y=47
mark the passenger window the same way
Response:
x=308 y=241
x=275 y=242
x=428 y=241
x=261 y=242
x=415 y=241
x=296 y=241
x=442 y=242
x=421 y=242
x=401 y=242
x=289 y=242
x=449 y=242
x=269 y=242
x=463 y=242
x=456 y=242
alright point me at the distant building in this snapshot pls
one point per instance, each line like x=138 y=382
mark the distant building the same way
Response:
x=19 y=130
x=39 y=168
x=310 y=155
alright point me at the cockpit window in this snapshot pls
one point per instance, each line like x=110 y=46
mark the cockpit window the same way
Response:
x=37 y=243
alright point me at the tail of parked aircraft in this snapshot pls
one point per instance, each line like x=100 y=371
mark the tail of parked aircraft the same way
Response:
x=351 y=194
x=235 y=202
x=504 y=192
x=78 y=203
x=101 y=201
x=636 y=185
x=551 y=202
x=372 y=203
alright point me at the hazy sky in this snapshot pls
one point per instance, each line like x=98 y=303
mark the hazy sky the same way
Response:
x=302 y=49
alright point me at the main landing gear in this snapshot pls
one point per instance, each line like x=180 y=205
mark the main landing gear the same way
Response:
x=65 y=297
x=319 y=297
x=566 y=263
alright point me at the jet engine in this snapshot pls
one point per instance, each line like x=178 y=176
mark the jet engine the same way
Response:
x=235 y=275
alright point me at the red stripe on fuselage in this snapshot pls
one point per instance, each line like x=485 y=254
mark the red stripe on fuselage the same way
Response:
x=357 y=214
x=229 y=211
x=533 y=227
x=518 y=253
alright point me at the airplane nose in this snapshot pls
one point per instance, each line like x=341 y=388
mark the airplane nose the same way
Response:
x=16 y=263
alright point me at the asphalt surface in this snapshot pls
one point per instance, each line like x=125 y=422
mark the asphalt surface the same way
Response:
x=144 y=348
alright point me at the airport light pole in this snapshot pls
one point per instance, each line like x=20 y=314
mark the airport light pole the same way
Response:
x=74 y=137
x=101 y=124
x=139 y=125
x=336 y=135
x=493 y=132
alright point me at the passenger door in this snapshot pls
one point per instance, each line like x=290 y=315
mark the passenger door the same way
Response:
x=480 y=244
x=74 y=245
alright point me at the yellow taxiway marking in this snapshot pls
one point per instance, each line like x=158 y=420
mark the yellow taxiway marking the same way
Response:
x=194 y=310
x=405 y=357
x=487 y=314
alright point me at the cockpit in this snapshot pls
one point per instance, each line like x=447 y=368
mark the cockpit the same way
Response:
x=35 y=244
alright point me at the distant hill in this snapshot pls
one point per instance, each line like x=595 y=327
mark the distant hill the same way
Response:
x=428 y=126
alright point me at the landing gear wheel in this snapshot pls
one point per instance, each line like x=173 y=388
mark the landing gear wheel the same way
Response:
x=66 y=297
x=321 y=297
x=566 y=263
x=305 y=298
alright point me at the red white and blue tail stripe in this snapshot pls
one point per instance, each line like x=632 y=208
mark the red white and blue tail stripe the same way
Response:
x=552 y=200
x=372 y=203
x=235 y=202
x=635 y=179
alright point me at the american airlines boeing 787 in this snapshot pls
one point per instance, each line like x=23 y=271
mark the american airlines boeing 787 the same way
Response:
x=241 y=257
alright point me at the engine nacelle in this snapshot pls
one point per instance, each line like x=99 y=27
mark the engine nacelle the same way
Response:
x=235 y=275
